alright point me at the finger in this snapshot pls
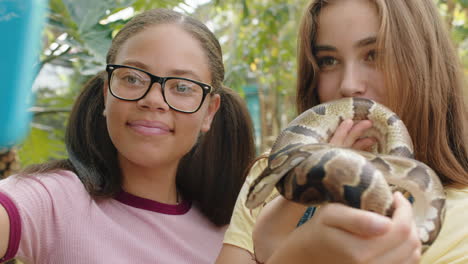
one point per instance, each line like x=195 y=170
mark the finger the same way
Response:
x=400 y=243
x=355 y=221
x=403 y=225
x=401 y=255
x=403 y=210
x=341 y=133
x=414 y=258
x=364 y=144
x=357 y=131
x=404 y=251
x=335 y=245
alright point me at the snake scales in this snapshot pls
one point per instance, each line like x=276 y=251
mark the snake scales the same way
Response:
x=307 y=170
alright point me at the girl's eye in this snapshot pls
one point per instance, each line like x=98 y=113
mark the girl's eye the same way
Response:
x=327 y=61
x=130 y=79
x=182 y=88
x=371 y=55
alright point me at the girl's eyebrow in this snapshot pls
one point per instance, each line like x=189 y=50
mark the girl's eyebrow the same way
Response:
x=136 y=64
x=360 y=43
x=319 y=48
x=172 y=73
x=366 y=41
x=185 y=72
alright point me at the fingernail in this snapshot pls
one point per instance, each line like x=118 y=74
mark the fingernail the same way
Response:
x=349 y=122
x=399 y=195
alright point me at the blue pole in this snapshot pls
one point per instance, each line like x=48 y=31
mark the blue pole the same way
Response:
x=253 y=105
x=21 y=25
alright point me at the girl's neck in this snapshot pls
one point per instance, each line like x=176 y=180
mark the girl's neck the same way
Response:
x=157 y=184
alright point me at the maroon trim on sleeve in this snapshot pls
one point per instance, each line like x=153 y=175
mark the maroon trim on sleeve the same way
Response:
x=150 y=205
x=15 y=227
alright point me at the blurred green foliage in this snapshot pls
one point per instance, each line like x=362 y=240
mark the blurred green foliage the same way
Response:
x=258 y=39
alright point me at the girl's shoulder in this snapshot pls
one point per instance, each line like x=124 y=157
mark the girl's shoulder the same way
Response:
x=58 y=186
x=239 y=232
x=456 y=197
x=452 y=243
x=256 y=169
x=57 y=178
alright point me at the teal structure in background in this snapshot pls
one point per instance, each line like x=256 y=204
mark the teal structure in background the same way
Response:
x=253 y=105
x=21 y=26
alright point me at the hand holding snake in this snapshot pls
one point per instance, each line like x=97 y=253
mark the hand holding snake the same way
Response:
x=308 y=170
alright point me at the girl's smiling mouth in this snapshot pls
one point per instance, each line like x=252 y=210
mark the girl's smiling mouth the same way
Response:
x=147 y=127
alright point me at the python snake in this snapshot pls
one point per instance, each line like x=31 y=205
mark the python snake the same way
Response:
x=307 y=170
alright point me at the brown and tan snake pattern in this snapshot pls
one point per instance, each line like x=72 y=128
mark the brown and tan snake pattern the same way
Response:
x=307 y=170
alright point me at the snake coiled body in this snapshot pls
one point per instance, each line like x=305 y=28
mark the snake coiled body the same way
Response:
x=306 y=169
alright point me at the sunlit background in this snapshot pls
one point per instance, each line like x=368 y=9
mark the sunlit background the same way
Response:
x=259 y=45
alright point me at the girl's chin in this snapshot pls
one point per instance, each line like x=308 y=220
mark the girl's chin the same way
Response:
x=148 y=159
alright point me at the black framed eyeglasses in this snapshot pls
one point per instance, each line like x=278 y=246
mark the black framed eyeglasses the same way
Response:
x=132 y=84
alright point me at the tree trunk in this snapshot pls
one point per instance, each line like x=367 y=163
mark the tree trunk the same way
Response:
x=451 y=4
x=9 y=162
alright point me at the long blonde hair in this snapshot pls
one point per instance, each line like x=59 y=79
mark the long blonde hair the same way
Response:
x=426 y=79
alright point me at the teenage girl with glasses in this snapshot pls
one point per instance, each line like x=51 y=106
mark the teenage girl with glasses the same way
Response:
x=398 y=53
x=155 y=163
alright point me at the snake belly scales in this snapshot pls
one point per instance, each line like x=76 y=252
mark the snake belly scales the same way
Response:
x=307 y=170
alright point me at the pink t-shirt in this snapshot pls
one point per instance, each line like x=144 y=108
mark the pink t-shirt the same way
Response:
x=54 y=220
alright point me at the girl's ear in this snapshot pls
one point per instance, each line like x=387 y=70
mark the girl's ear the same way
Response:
x=213 y=107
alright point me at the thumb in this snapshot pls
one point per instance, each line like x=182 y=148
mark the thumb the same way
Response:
x=356 y=221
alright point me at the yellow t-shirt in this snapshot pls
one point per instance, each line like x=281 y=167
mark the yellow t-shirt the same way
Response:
x=239 y=232
x=450 y=247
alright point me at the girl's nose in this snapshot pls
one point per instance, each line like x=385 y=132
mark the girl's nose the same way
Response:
x=353 y=82
x=154 y=99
